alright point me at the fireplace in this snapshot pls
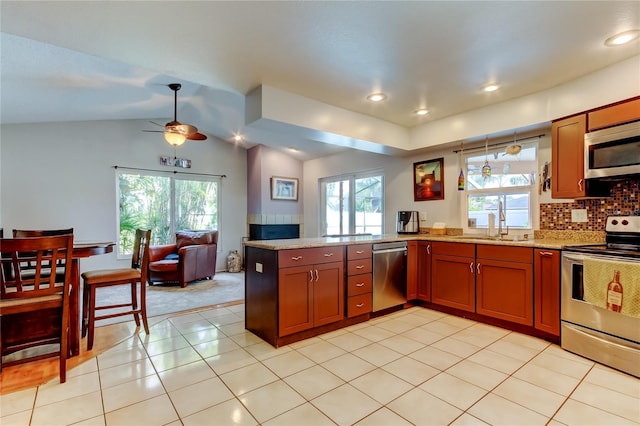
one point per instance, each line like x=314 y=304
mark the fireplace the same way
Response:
x=273 y=232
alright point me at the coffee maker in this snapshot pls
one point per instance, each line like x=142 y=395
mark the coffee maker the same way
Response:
x=408 y=222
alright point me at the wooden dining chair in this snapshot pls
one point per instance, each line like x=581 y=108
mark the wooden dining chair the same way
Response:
x=27 y=268
x=137 y=273
x=35 y=298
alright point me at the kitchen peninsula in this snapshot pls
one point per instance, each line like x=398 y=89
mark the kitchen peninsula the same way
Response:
x=300 y=288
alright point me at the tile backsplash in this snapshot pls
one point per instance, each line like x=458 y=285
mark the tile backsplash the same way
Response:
x=625 y=199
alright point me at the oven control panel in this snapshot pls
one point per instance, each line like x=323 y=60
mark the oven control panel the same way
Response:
x=626 y=224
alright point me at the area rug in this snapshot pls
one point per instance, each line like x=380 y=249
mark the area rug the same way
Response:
x=163 y=299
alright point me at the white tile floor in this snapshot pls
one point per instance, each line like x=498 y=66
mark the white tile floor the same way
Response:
x=416 y=366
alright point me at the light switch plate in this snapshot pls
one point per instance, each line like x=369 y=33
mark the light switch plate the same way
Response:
x=259 y=267
x=579 y=215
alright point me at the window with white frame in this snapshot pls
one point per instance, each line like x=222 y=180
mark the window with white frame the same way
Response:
x=352 y=204
x=511 y=182
x=164 y=203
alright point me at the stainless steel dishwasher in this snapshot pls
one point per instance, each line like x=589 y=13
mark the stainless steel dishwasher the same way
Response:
x=389 y=275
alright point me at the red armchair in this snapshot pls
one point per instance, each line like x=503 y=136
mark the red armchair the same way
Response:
x=192 y=257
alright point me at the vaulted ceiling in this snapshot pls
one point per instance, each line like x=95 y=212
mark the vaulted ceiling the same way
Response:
x=103 y=60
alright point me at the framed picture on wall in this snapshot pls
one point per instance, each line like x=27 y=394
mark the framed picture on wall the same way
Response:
x=428 y=180
x=284 y=188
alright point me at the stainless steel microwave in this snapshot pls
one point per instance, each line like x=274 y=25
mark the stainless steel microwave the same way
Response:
x=612 y=152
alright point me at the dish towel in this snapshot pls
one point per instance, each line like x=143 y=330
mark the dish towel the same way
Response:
x=597 y=275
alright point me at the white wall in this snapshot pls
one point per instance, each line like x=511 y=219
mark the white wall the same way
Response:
x=56 y=175
x=398 y=189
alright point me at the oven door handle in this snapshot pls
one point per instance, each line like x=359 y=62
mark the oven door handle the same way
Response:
x=574 y=258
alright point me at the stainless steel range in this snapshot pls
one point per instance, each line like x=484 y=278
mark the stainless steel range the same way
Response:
x=600 y=309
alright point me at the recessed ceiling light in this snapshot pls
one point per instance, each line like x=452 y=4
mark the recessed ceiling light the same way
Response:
x=238 y=137
x=376 y=97
x=292 y=149
x=421 y=111
x=622 y=38
x=490 y=88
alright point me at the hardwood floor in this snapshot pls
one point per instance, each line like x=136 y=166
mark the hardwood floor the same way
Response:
x=23 y=376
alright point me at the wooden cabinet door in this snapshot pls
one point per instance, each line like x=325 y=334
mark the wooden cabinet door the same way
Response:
x=505 y=290
x=295 y=299
x=412 y=270
x=328 y=293
x=546 y=290
x=424 y=271
x=567 y=157
x=453 y=281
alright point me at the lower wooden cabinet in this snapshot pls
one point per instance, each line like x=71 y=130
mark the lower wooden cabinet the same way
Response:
x=504 y=283
x=453 y=275
x=546 y=290
x=424 y=271
x=310 y=296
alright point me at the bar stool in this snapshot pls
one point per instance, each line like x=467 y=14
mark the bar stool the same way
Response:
x=137 y=273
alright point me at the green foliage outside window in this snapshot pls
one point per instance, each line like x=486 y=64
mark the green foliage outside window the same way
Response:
x=149 y=202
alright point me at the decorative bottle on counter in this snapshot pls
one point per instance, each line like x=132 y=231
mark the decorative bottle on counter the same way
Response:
x=614 y=293
x=233 y=262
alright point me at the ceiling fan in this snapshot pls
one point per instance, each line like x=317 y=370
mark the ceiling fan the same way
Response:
x=175 y=132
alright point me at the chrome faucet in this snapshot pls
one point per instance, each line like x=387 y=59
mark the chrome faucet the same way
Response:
x=501 y=219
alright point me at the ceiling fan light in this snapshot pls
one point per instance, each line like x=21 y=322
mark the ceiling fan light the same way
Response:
x=174 y=139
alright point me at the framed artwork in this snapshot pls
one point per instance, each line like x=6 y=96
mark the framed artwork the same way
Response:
x=283 y=188
x=428 y=180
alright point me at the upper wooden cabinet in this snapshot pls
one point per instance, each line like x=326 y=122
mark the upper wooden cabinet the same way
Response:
x=620 y=113
x=567 y=153
x=567 y=146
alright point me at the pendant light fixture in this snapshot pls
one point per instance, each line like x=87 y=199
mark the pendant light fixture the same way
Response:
x=461 y=184
x=486 y=169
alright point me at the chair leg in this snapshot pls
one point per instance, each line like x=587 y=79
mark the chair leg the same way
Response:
x=134 y=302
x=143 y=306
x=64 y=347
x=85 y=309
x=92 y=317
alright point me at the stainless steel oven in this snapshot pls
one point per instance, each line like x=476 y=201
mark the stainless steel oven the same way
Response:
x=597 y=282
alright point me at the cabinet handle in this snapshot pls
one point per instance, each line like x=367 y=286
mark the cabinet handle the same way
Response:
x=428 y=248
x=471 y=267
x=359 y=251
x=478 y=268
x=580 y=185
x=546 y=253
x=328 y=254
x=359 y=266
x=317 y=276
x=359 y=284
x=359 y=305
x=310 y=275
x=297 y=258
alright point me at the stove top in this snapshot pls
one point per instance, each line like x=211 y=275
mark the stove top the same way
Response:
x=622 y=238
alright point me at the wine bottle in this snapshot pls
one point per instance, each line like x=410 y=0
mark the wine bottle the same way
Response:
x=614 y=293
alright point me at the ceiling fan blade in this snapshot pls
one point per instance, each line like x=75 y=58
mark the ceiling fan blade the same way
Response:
x=197 y=137
x=177 y=127
x=157 y=124
x=153 y=131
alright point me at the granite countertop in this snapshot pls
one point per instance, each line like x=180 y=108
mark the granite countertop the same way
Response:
x=544 y=241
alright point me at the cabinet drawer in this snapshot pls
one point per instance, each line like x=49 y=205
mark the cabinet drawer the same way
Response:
x=359 y=251
x=504 y=253
x=358 y=305
x=360 y=266
x=453 y=249
x=309 y=256
x=359 y=284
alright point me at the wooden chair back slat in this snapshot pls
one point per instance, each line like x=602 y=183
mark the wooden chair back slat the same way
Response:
x=41 y=252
